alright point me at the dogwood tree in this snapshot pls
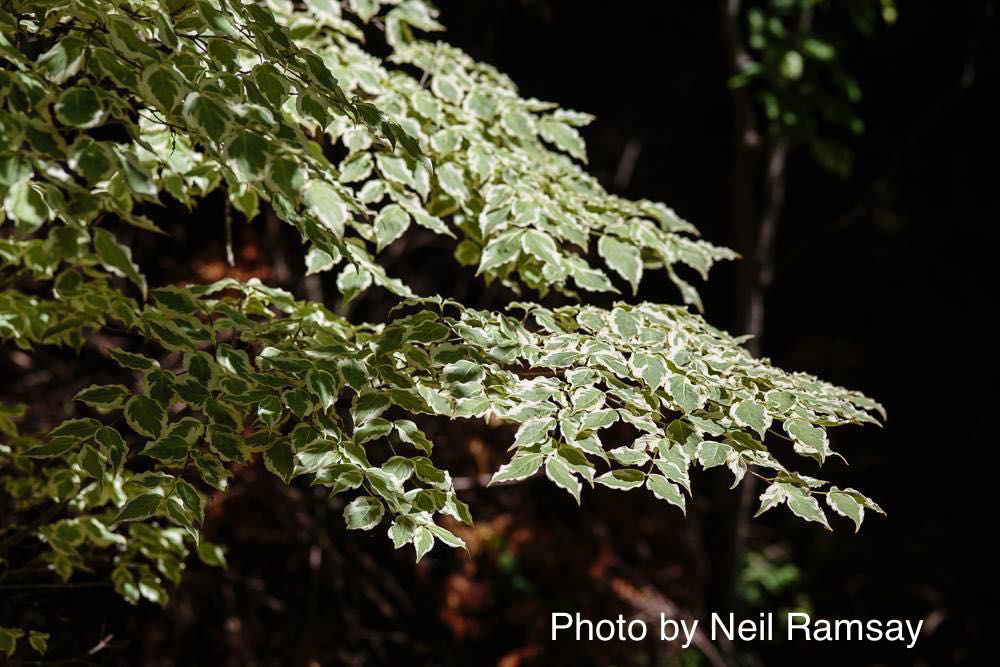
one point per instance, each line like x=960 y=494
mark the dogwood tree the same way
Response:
x=111 y=108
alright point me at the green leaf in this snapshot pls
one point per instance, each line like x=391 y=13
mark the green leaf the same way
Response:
x=623 y=258
x=318 y=261
x=206 y=114
x=112 y=445
x=354 y=371
x=39 y=641
x=248 y=153
x=520 y=467
x=298 y=402
x=500 y=251
x=80 y=429
x=80 y=107
x=353 y=281
x=845 y=505
x=170 y=448
x=145 y=416
x=130 y=360
x=63 y=60
x=8 y=639
x=594 y=421
x=423 y=541
x=675 y=467
x=560 y=473
x=629 y=456
x=139 y=508
x=327 y=205
x=211 y=554
x=711 y=454
x=161 y=85
x=651 y=368
x=227 y=444
x=92 y=159
x=587 y=398
x=780 y=401
x=452 y=181
x=25 y=205
x=533 y=431
x=446 y=536
x=541 y=245
x=803 y=504
x=664 y=489
x=192 y=499
x=117 y=258
x=409 y=433
x=563 y=136
x=269 y=411
x=55 y=447
x=363 y=513
x=809 y=440
x=286 y=176
x=462 y=372
x=323 y=386
x=365 y=9
x=340 y=477
x=622 y=479
x=390 y=224
x=773 y=495
x=685 y=394
x=751 y=414
x=104 y=396
x=280 y=459
x=368 y=405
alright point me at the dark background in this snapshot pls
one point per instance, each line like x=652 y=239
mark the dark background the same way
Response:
x=884 y=283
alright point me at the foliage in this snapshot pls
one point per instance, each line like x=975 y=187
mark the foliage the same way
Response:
x=111 y=107
x=797 y=74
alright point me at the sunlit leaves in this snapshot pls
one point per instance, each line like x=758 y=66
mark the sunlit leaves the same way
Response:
x=533 y=431
x=711 y=454
x=162 y=86
x=285 y=175
x=63 y=60
x=139 y=508
x=623 y=258
x=562 y=476
x=57 y=446
x=622 y=479
x=279 y=459
x=806 y=506
x=390 y=224
x=80 y=107
x=104 y=396
x=685 y=394
x=227 y=443
x=248 y=154
x=851 y=504
x=809 y=440
x=117 y=258
x=207 y=114
x=240 y=373
x=664 y=489
x=363 y=513
x=520 y=467
x=132 y=360
x=328 y=205
x=750 y=414
x=145 y=416
x=563 y=136
x=25 y=205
